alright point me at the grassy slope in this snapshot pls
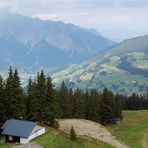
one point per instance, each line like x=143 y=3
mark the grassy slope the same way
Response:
x=88 y=74
x=133 y=130
x=55 y=139
x=5 y=146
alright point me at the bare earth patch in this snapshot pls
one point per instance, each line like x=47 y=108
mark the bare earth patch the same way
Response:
x=28 y=145
x=91 y=129
x=145 y=141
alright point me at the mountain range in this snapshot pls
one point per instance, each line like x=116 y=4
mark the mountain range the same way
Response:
x=81 y=57
x=31 y=44
x=123 y=68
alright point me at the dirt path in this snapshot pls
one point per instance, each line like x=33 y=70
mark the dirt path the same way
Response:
x=145 y=140
x=90 y=129
x=28 y=145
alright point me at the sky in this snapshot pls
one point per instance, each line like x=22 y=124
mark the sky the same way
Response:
x=115 y=19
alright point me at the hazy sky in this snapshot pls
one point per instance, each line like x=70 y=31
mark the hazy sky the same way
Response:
x=116 y=19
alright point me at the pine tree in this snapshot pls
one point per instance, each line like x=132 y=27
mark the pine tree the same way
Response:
x=87 y=104
x=28 y=99
x=63 y=97
x=42 y=100
x=118 y=107
x=38 y=95
x=106 y=107
x=29 y=87
x=57 y=108
x=19 y=96
x=14 y=103
x=49 y=109
x=133 y=102
x=79 y=107
x=71 y=103
x=33 y=102
x=2 y=116
x=94 y=113
x=146 y=100
x=72 y=134
x=9 y=102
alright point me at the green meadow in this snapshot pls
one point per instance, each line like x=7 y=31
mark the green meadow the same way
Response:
x=133 y=131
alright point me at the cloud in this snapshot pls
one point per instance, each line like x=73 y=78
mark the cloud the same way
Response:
x=74 y=3
x=38 y=6
x=135 y=3
x=47 y=16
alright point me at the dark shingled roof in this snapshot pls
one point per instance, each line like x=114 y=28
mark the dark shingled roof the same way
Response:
x=18 y=128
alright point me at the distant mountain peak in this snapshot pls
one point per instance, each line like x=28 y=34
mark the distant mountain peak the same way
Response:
x=37 y=39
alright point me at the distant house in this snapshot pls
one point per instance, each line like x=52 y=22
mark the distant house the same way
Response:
x=19 y=131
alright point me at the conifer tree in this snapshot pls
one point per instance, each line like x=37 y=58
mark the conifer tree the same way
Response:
x=133 y=102
x=79 y=107
x=38 y=96
x=41 y=103
x=106 y=107
x=64 y=100
x=29 y=87
x=72 y=134
x=118 y=107
x=14 y=103
x=71 y=103
x=94 y=113
x=87 y=104
x=19 y=96
x=48 y=109
x=57 y=108
x=29 y=97
x=9 y=99
x=2 y=116
x=33 y=102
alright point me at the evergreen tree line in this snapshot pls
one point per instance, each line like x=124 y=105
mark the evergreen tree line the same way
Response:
x=103 y=107
x=44 y=104
x=35 y=105
x=135 y=102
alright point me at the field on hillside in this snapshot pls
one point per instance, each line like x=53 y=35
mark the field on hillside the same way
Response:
x=133 y=130
x=56 y=139
x=90 y=129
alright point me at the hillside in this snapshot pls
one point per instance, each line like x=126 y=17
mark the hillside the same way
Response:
x=31 y=44
x=56 y=139
x=90 y=129
x=133 y=130
x=123 y=68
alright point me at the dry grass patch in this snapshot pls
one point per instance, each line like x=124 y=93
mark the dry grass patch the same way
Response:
x=90 y=129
